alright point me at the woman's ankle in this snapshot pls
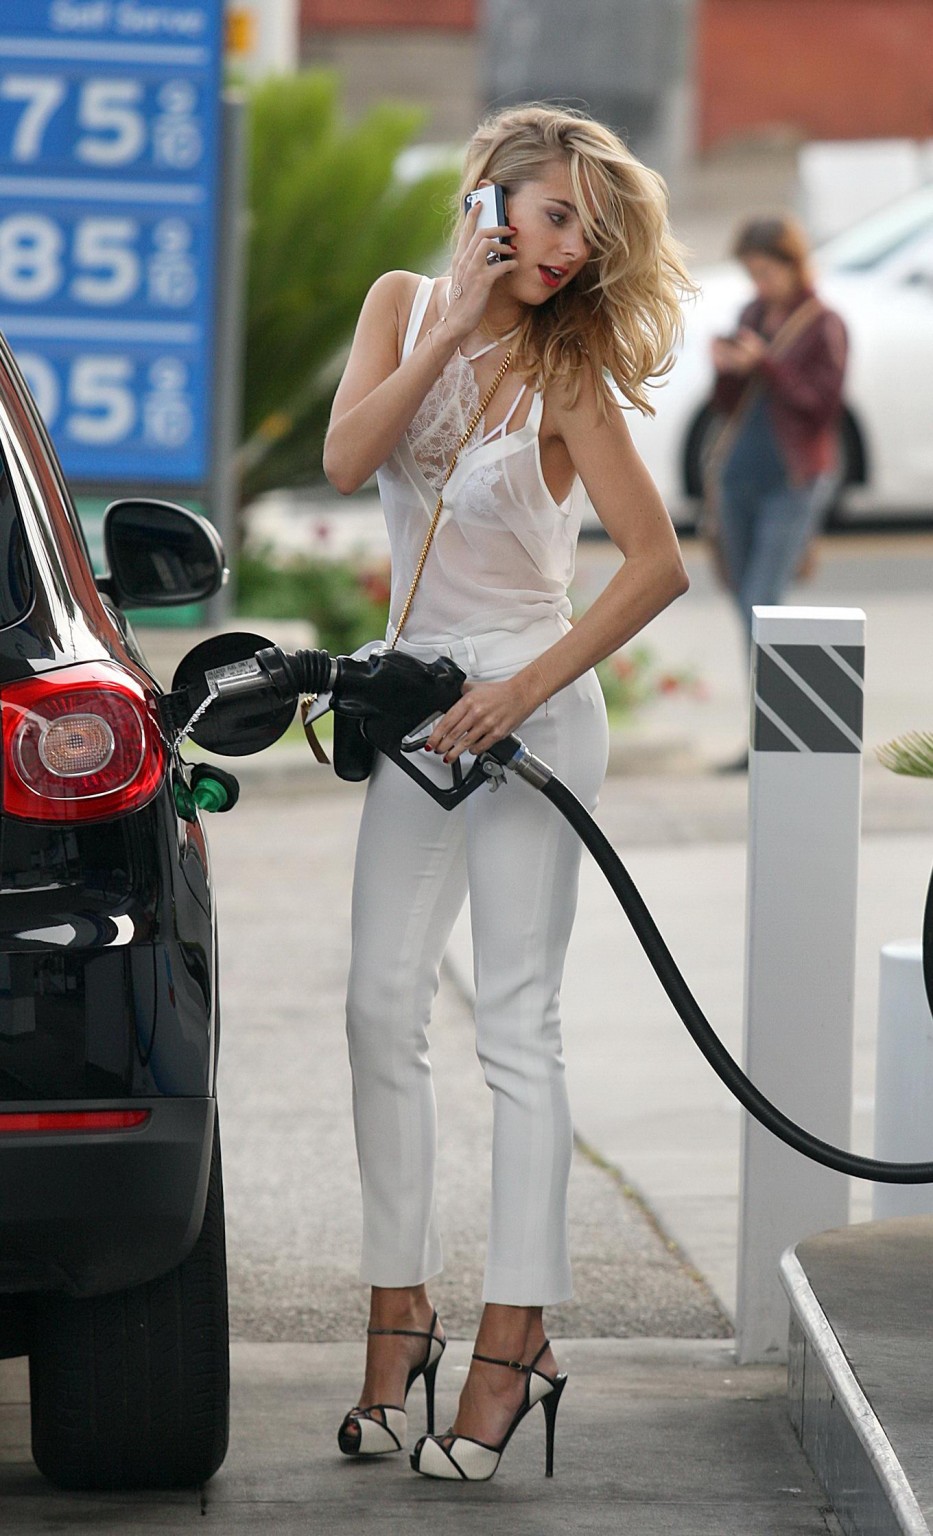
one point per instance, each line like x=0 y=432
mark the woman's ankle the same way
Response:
x=399 y=1307
x=513 y=1333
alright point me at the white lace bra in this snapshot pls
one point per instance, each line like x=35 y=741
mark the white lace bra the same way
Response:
x=446 y=412
x=503 y=553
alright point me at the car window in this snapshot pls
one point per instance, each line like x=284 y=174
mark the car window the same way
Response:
x=918 y=264
x=874 y=240
x=15 y=572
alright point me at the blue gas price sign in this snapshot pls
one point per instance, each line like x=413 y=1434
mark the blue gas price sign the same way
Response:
x=109 y=171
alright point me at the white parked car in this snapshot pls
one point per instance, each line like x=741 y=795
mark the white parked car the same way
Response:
x=879 y=275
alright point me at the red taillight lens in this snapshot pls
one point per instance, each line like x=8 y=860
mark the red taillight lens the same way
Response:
x=20 y=1121
x=79 y=745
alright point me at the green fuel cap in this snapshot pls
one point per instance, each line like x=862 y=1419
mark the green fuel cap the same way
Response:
x=210 y=794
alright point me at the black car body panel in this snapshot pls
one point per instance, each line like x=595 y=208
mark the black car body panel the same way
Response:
x=107 y=944
x=107 y=975
x=95 y=1212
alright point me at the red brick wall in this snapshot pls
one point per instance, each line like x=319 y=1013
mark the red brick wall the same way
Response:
x=826 y=69
x=387 y=15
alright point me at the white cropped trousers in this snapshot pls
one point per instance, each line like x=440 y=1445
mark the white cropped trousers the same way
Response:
x=519 y=860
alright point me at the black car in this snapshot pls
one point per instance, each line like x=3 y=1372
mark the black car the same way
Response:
x=112 y=1259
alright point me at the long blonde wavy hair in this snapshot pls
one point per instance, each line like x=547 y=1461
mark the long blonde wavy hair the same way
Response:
x=620 y=317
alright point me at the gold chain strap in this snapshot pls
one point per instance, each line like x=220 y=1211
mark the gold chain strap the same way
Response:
x=477 y=418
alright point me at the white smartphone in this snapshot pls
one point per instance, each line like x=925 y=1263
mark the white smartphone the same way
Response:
x=494 y=212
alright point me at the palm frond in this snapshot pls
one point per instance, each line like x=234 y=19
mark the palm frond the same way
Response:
x=910 y=754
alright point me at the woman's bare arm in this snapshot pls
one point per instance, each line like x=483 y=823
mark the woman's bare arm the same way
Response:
x=377 y=396
x=630 y=509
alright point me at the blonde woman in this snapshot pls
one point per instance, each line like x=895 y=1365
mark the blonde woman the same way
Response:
x=586 y=290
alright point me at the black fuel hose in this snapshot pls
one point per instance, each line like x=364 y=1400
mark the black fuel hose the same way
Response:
x=726 y=1068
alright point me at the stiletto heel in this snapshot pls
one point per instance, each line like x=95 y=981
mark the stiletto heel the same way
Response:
x=362 y=1433
x=550 y=1404
x=430 y=1376
x=473 y=1461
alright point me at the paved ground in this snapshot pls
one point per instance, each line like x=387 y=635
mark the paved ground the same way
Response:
x=658 y=1438
x=694 y=1445
x=284 y=867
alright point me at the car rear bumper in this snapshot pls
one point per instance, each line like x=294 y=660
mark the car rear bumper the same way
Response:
x=87 y=1212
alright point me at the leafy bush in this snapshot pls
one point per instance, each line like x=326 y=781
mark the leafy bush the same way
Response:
x=631 y=678
x=347 y=603
x=327 y=215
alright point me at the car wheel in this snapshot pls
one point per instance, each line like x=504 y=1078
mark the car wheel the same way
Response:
x=854 y=470
x=701 y=438
x=131 y=1390
x=706 y=427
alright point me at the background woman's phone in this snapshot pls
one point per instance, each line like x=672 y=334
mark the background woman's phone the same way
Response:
x=494 y=212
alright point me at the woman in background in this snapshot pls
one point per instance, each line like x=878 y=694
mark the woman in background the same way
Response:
x=779 y=385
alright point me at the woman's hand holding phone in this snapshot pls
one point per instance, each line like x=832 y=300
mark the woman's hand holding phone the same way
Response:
x=472 y=274
x=740 y=353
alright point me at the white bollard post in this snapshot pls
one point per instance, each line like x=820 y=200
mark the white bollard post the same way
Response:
x=903 y=1080
x=805 y=780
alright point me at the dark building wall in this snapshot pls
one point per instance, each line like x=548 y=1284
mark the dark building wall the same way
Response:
x=629 y=62
x=385 y=15
x=424 y=51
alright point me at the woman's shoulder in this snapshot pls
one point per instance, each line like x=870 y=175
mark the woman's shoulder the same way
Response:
x=393 y=293
x=398 y=284
x=392 y=288
x=571 y=397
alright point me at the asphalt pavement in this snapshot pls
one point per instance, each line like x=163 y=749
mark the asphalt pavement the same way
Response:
x=662 y=1432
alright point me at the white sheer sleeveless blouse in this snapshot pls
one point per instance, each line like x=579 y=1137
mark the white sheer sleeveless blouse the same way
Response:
x=503 y=553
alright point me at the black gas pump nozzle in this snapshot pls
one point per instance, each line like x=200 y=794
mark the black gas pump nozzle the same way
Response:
x=253 y=689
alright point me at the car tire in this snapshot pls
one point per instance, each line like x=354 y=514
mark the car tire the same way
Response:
x=706 y=427
x=131 y=1390
x=698 y=445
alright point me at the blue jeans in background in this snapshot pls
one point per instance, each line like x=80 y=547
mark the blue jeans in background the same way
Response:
x=764 y=533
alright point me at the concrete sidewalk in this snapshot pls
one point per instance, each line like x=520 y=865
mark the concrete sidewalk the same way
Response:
x=656 y=1437
x=659 y=1435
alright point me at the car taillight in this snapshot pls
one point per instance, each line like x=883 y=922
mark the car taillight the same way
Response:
x=79 y=745
x=37 y=1122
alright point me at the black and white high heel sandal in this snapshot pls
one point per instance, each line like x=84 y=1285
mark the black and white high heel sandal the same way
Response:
x=380 y=1429
x=473 y=1461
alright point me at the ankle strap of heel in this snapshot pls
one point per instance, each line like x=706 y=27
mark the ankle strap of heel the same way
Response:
x=513 y=1365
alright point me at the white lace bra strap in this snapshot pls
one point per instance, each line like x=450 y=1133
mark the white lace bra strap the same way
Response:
x=418 y=308
x=535 y=410
x=470 y=357
x=502 y=427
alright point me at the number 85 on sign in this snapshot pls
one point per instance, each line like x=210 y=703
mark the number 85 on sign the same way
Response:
x=80 y=261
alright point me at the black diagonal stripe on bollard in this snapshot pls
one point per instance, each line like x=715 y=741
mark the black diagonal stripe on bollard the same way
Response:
x=854 y=655
x=768 y=737
x=793 y=708
x=825 y=676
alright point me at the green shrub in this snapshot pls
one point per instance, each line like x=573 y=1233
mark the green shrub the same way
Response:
x=347 y=603
x=327 y=215
x=631 y=678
